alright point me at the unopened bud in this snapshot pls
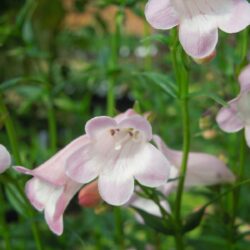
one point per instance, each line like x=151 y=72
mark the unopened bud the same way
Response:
x=89 y=195
x=206 y=59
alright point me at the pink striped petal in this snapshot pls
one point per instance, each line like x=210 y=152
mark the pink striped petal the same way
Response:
x=247 y=135
x=244 y=78
x=5 y=159
x=161 y=14
x=228 y=118
x=139 y=123
x=116 y=187
x=238 y=19
x=198 y=36
x=152 y=169
x=202 y=169
x=96 y=126
x=56 y=164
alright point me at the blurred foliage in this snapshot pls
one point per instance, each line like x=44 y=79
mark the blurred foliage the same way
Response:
x=55 y=59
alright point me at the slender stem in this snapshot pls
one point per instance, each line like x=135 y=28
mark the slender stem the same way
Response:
x=182 y=80
x=242 y=53
x=236 y=192
x=52 y=124
x=10 y=130
x=15 y=149
x=5 y=230
x=113 y=67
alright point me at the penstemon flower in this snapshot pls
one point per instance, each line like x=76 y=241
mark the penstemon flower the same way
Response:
x=236 y=116
x=115 y=150
x=117 y=153
x=199 y=21
x=5 y=159
x=50 y=190
x=203 y=170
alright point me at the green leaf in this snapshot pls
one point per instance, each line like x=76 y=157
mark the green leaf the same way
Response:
x=163 y=81
x=156 y=223
x=16 y=199
x=156 y=37
x=210 y=95
x=193 y=220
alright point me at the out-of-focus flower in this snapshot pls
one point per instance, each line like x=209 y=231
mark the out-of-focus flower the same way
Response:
x=202 y=169
x=199 y=21
x=117 y=153
x=237 y=115
x=5 y=159
x=50 y=190
x=89 y=195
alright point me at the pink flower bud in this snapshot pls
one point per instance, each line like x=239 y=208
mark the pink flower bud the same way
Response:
x=89 y=195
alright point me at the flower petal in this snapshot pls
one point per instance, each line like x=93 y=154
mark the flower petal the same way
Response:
x=5 y=159
x=161 y=14
x=247 y=135
x=122 y=116
x=228 y=118
x=198 y=36
x=137 y=122
x=97 y=125
x=57 y=163
x=116 y=187
x=238 y=18
x=81 y=167
x=152 y=169
x=148 y=206
x=244 y=78
x=52 y=199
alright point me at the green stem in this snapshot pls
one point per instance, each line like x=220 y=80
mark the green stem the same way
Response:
x=236 y=192
x=113 y=67
x=15 y=149
x=182 y=80
x=242 y=53
x=10 y=130
x=5 y=230
x=52 y=125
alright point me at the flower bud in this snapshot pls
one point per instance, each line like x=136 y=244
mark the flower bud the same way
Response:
x=206 y=59
x=89 y=195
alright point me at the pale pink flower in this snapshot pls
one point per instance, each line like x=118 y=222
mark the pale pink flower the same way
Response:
x=50 y=190
x=117 y=153
x=202 y=169
x=236 y=116
x=5 y=159
x=115 y=150
x=199 y=21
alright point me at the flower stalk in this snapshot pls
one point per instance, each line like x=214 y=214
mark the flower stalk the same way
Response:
x=182 y=81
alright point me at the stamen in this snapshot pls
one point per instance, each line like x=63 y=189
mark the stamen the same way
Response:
x=112 y=132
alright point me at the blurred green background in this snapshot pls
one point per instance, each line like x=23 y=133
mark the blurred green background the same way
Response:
x=56 y=63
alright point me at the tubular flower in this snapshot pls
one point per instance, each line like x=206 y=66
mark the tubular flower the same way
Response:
x=199 y=21
x=50 y=190
x=117 y=153
x=5 y=159
x=203 y=169
x=237 y=115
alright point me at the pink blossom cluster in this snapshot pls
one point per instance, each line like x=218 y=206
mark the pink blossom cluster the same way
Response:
x=106 y=161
